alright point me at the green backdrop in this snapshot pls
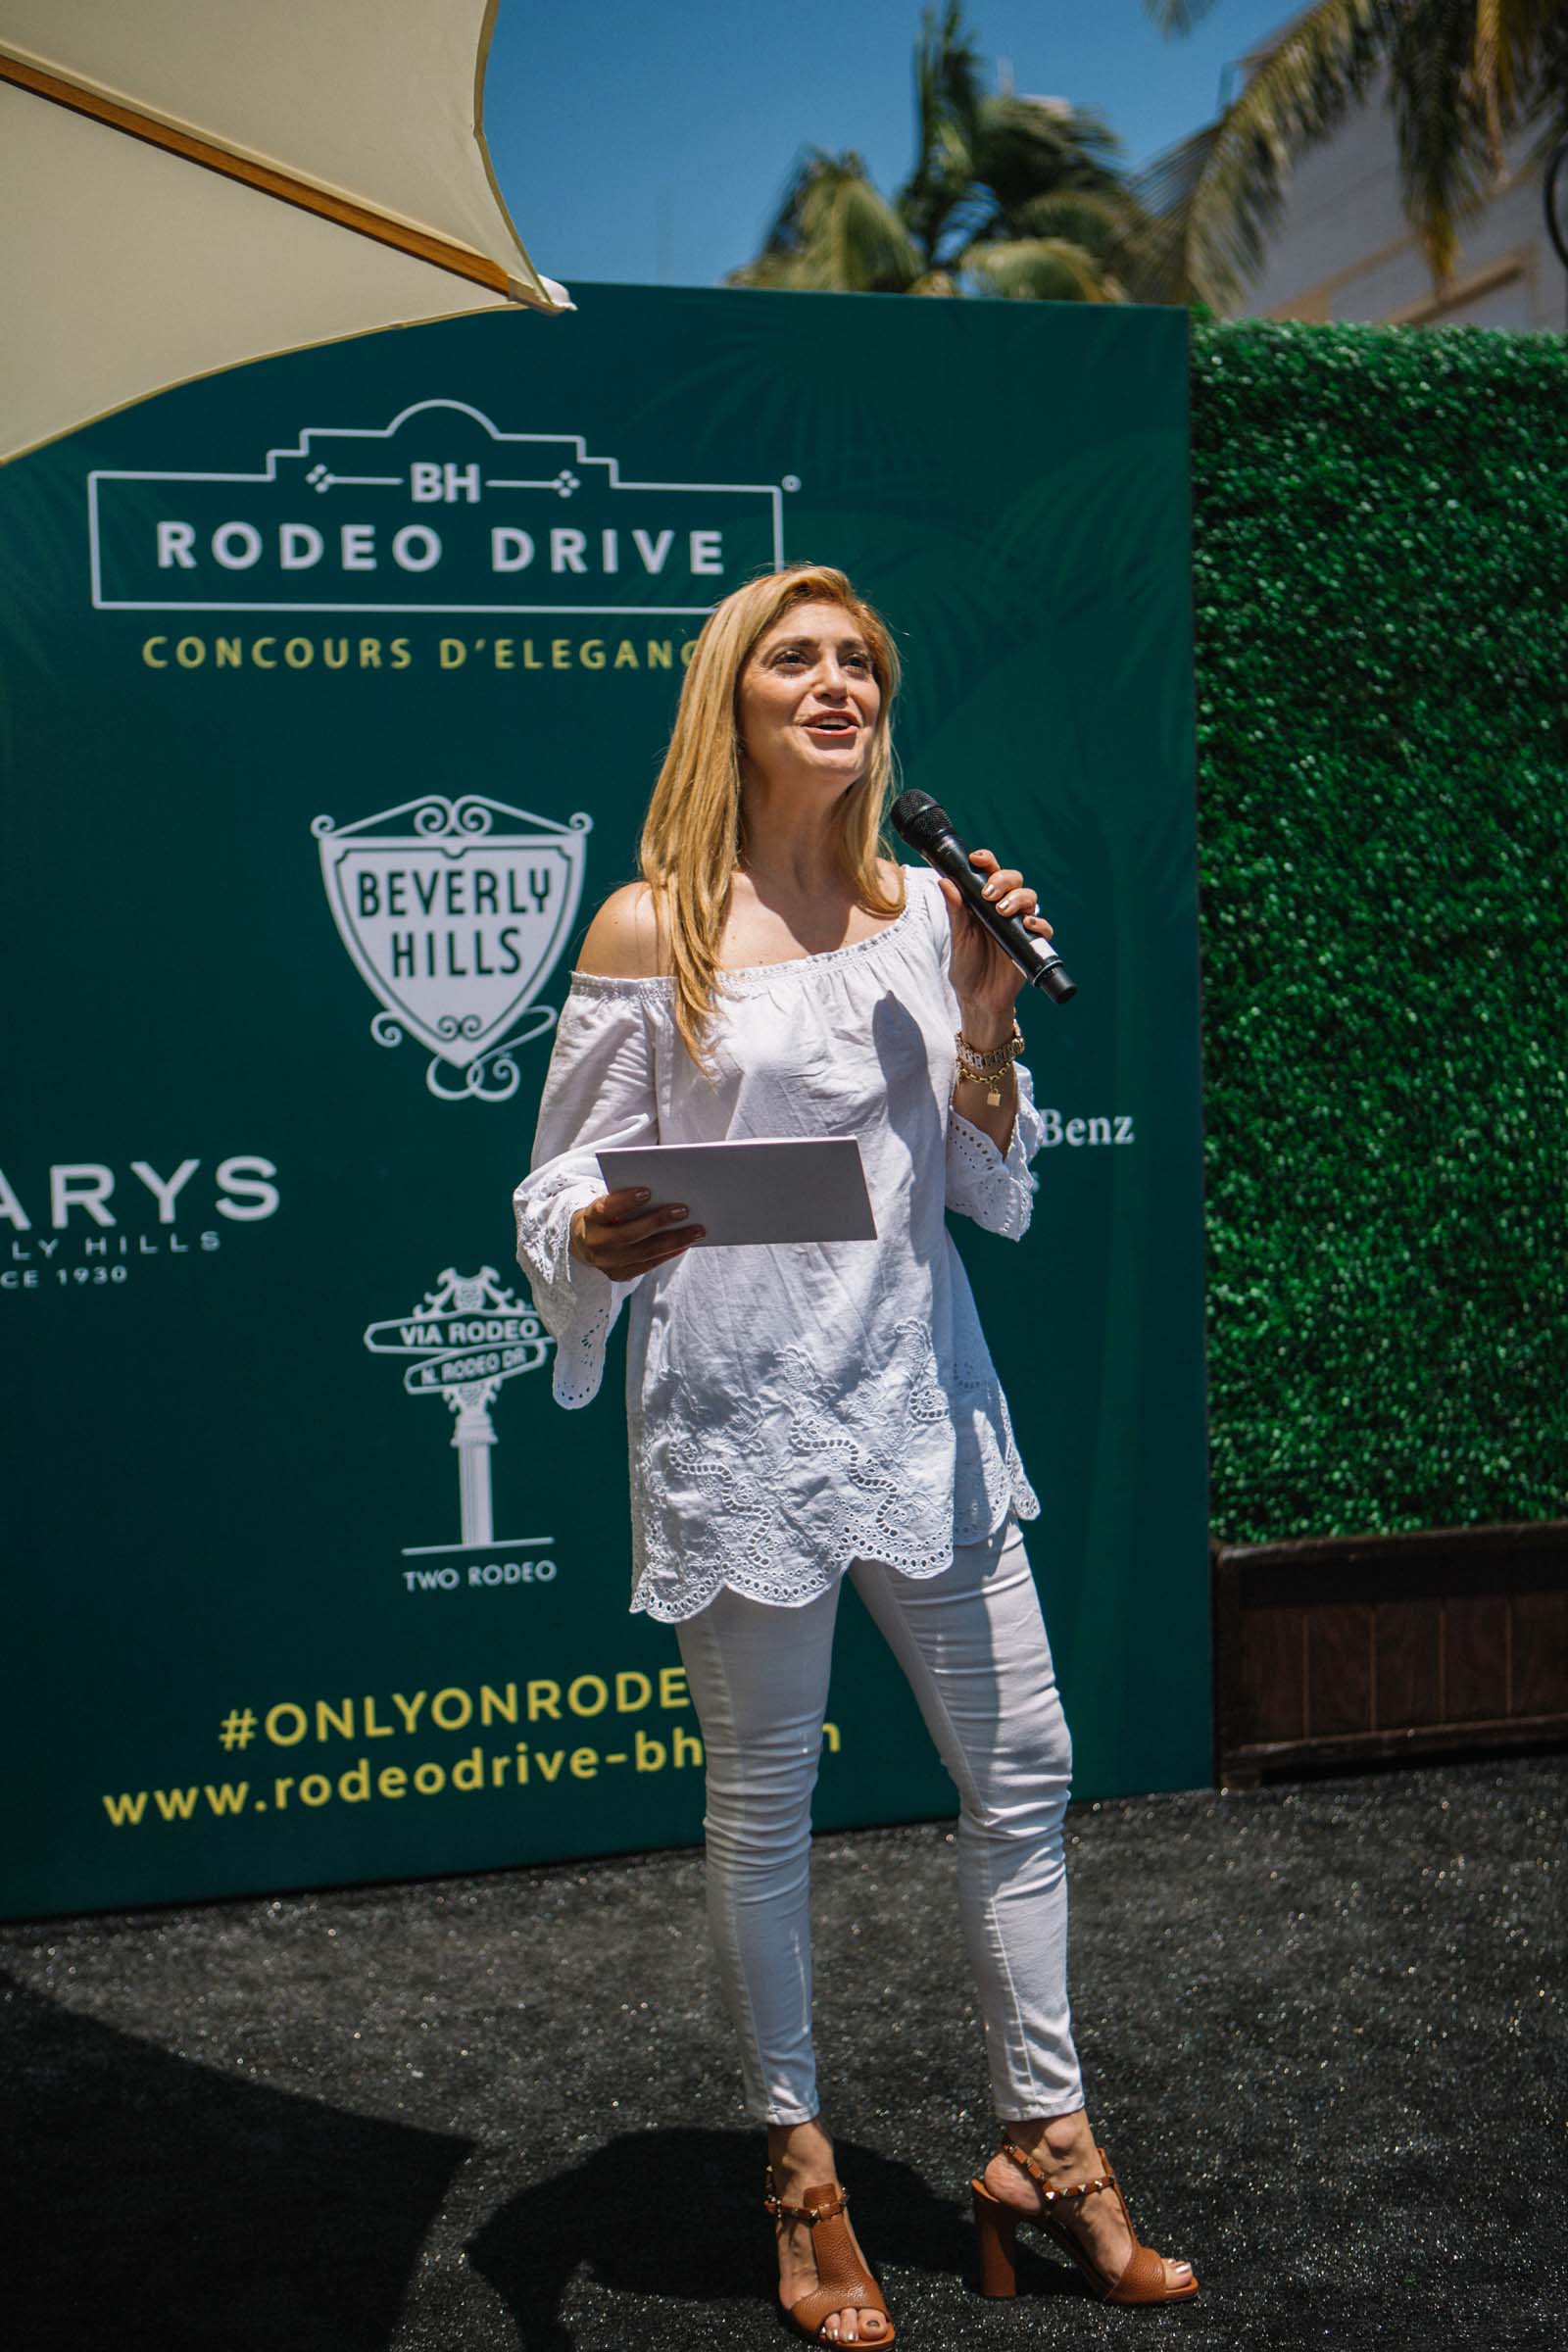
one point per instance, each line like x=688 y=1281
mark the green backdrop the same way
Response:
x=336 y=687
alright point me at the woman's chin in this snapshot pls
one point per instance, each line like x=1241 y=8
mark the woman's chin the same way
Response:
x=828 y=779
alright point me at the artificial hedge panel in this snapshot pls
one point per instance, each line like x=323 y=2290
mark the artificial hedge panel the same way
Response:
x=1381 y=529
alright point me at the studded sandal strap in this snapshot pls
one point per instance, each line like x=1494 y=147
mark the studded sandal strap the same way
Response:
x=1078 y=2191
x=826 y=2210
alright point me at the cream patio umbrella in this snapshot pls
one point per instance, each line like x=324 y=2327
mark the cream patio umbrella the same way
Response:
x=189 y=183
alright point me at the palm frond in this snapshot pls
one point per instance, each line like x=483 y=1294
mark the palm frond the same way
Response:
x=1104 y=222
x=865 y=247
x=1490 y=70
x=946 y=110
x=833 y=232
x=1224 y=187
x=1543 y=74
x=1041 y=270
x=1156 y=267
x=1030 y=147
x=1533 y=67
x=1441 y=115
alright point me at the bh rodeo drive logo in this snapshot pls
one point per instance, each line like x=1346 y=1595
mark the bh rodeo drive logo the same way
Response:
x=454 y=912
x=438 y=511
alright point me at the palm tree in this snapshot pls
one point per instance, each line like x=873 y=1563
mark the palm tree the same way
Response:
x=1462 y=76
x=1017 y=197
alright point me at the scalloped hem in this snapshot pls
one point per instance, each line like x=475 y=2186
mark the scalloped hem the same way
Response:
x=675 y=1610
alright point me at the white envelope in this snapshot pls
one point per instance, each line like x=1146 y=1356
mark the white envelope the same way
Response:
x=762 y=1189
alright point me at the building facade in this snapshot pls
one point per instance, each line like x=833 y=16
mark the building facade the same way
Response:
x=1343 y=249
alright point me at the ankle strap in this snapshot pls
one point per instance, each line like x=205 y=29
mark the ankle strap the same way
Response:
x=809 y=2214
x=1079 y=2189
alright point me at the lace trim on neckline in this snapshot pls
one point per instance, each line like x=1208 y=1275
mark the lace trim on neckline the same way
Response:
x=748 y=979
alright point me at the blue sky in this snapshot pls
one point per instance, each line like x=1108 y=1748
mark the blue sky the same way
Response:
x=647 y=143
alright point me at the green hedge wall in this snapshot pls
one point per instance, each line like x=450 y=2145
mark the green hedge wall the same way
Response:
x=1380 y=527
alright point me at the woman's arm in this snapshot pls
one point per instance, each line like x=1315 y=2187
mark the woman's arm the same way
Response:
x=986 y=984
x=584 y=1250
x=619 y=1232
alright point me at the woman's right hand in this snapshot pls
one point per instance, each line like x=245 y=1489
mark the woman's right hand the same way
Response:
x=620 y=1236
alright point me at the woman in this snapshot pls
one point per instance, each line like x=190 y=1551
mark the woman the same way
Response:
x=796 y=1412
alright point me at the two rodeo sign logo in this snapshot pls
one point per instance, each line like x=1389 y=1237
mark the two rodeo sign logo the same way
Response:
x=466 y=1338
x=454 y=913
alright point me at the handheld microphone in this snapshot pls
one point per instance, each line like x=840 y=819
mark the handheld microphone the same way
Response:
x=927 y=827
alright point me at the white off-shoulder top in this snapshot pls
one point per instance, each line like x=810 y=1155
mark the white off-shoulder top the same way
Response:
x=790 y=1407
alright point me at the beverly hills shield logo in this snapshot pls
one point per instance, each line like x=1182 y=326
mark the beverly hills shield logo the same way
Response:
x=455 y=912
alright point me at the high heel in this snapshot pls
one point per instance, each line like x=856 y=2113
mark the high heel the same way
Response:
x=997 y=2228
x=1141 y=2280
x=844 y=2283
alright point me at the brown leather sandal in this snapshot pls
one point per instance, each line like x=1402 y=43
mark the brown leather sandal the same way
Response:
x=1142 y=2282
x=844 y=2283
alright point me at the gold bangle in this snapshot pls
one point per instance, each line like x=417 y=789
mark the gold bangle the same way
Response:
x=996 y=1058
x=986 y=1070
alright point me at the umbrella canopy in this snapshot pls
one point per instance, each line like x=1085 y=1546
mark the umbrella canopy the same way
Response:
x=189 y=183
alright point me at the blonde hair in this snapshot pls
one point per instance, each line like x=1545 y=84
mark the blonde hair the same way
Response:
x=693 y=835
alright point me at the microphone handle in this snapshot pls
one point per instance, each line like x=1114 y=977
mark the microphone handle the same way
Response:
x=1035 y=957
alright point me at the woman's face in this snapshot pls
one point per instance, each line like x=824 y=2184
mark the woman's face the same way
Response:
x=809 y=699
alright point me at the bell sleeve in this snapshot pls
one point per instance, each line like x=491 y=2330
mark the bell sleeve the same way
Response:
x=599 y=1090
x=997 y=1191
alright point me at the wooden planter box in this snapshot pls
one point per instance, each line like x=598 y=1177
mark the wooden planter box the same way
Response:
x=1358 y=1647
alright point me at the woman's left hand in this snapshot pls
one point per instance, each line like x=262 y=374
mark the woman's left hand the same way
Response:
x=985 y=981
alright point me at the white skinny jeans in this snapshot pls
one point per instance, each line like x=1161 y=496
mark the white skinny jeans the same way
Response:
x=972 y=1645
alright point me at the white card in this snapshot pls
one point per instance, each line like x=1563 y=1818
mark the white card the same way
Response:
x=762 y=1189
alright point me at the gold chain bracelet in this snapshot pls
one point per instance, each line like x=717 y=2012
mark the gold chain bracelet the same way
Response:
x=986 y=1068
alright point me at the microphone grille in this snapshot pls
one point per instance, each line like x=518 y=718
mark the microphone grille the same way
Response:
x=918 y=819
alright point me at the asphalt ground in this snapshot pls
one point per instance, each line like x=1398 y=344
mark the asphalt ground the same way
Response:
x=1322 y=2027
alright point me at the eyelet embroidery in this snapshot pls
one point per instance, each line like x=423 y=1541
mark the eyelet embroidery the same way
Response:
x=769 y=1472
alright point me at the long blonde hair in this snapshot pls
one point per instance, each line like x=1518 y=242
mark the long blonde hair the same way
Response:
x=693 y=836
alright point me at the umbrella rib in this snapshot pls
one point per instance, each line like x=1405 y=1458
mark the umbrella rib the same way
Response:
x=266 y=179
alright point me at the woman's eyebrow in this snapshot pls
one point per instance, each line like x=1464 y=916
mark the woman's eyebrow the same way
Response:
x=850 y=644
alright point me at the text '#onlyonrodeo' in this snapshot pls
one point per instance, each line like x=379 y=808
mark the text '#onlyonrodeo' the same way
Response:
x=547 y=1758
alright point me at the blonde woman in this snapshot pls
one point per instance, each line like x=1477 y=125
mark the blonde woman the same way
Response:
x=801 y=1412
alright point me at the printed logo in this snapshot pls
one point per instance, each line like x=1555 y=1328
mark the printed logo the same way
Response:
x=466 y=1338
x=454 y=912
x=438 y=511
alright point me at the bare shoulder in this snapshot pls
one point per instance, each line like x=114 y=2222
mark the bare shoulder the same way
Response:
x=622 y=942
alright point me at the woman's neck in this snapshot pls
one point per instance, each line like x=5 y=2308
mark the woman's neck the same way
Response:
x=790 y=853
